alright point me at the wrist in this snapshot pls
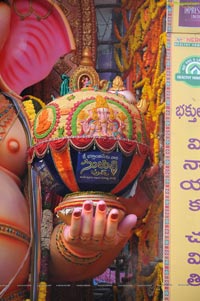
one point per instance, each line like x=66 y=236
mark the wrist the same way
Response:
x=76 y=256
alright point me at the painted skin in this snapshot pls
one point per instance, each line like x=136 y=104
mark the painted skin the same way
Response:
x=90 y=233
x=14 y=213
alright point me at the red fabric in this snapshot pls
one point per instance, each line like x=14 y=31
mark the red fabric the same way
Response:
x=82 y=144
x=58 y=144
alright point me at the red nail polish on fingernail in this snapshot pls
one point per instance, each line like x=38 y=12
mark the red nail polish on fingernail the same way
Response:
x=87 y=207
x=114 y=216
x=102 y=207
x=77 y=213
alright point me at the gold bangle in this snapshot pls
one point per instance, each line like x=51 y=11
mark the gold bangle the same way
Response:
x=70 y=255
x=14 y=232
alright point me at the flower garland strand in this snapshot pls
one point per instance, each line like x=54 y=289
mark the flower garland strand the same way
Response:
x=140 y=55
x=31 y=106
x=142 y=50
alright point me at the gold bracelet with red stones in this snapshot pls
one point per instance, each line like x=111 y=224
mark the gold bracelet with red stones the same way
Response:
x=70 y=255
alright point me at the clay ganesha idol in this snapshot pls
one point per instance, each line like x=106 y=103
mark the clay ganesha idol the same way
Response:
x=89 y=148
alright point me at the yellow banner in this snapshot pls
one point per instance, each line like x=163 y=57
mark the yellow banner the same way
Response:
x=182 y=156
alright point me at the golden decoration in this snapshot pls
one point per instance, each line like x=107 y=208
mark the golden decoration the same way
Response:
x=117 y=84
x=31 y=10
x=84 y=76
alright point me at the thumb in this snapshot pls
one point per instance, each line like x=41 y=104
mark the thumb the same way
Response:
x=126 y=225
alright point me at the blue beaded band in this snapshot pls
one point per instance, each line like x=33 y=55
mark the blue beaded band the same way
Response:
x=14 y=232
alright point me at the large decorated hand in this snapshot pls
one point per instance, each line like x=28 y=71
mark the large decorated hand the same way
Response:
x=98 y=232
x=92 y=240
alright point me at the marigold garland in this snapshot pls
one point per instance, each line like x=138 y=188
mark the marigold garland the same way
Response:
x=140 y=54
x=144 y=42
x=149 y=230
x=31 y=106
x=156 y=280
x=42 y=291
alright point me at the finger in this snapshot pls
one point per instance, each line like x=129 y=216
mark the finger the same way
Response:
x=72 y=232
x=127 y=224
x=112 y=225
x=87 y=220
x=99 y=221
x=75 y=223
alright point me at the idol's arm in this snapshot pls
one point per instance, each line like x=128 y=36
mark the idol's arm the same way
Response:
x=87 y=247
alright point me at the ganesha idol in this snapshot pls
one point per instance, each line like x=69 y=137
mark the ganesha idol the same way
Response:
x=88 y=147
x=85 y=153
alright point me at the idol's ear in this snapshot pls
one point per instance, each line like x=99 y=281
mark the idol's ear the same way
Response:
x=39 y=35
x=5 y=19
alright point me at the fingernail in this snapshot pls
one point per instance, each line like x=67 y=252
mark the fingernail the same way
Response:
x=114 y=215
x=87 y=206
x=77 y=213
x=102 y=207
